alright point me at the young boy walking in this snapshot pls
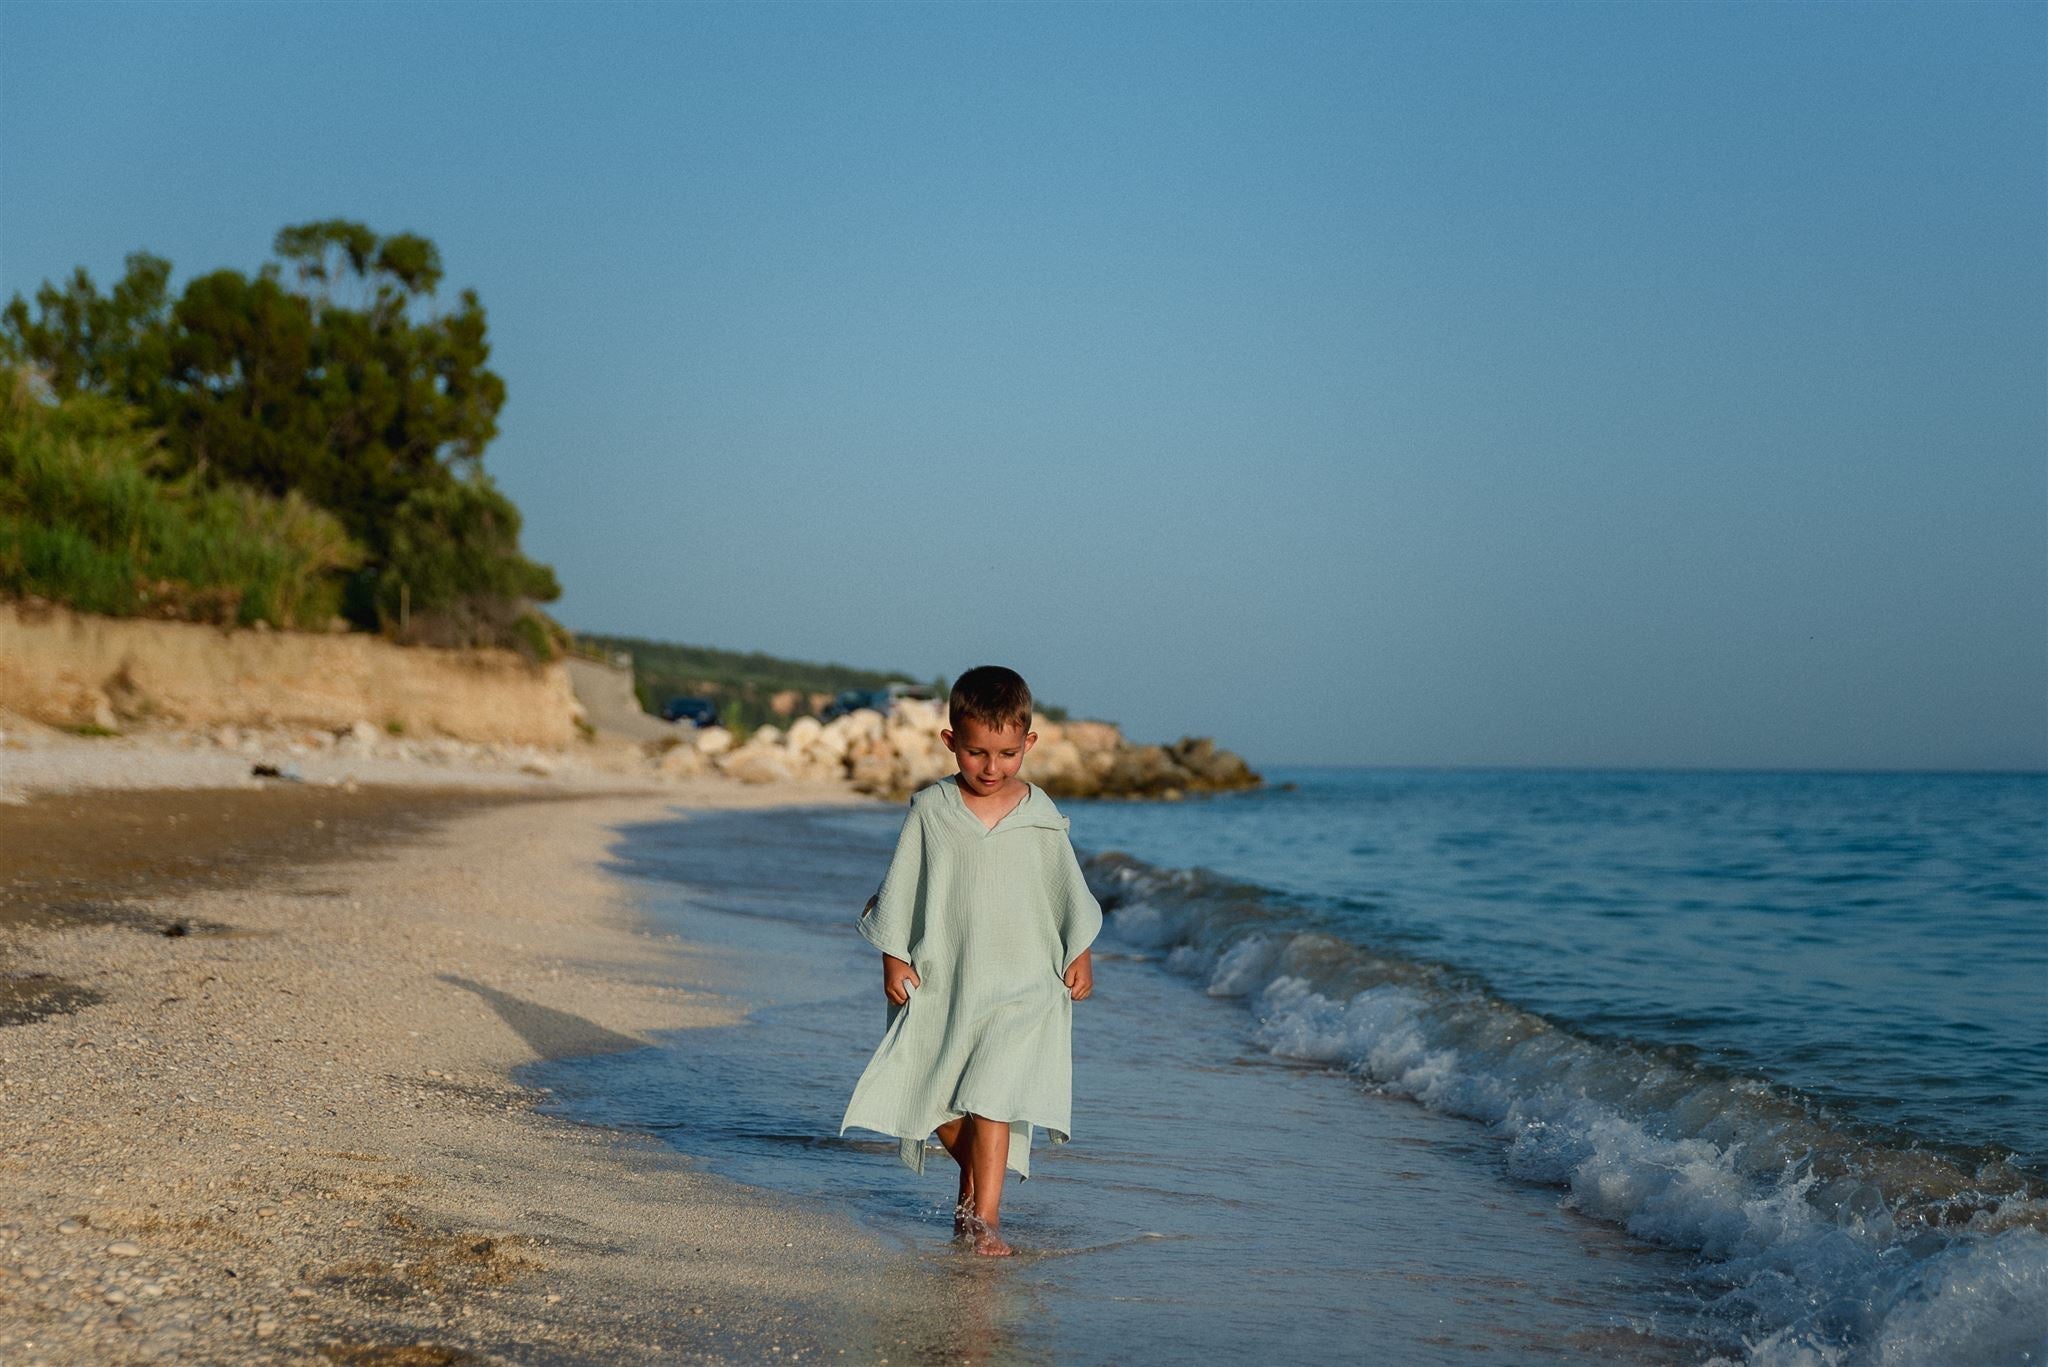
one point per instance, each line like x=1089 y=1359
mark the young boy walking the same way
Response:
x=984 y=922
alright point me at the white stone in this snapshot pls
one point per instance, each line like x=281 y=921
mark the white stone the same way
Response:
x=682 y=761
x=917 y=713
x=822 y=769
x=922 y=769
x=1053 y=759
x=874 y=771
x=803 y=733
x=712 y=740
x=756 y=764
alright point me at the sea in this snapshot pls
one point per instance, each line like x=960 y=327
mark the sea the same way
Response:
x=1443 y=1066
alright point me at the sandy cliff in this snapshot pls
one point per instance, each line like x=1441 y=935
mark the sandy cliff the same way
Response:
x=66 y=669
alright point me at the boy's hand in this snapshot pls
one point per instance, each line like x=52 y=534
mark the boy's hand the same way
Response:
x=1080 y=976
x=895 y=973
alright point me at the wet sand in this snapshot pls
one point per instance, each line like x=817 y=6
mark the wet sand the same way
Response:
x=258 y=1109
x=123 y=858
x=73 y=858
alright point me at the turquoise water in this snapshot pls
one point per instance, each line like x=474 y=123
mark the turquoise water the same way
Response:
x=1796 y=1024
x=1634 y=1067
x=1879 y=941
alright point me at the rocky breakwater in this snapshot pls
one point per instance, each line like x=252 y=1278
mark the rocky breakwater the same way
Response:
x=895 y=755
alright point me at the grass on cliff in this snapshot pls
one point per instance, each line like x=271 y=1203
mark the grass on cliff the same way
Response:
x=86 y=522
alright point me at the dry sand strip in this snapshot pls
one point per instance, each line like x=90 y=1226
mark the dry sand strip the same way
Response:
x=283 y=1132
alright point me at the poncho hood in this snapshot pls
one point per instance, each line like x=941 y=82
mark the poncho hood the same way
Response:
x=1036 y=810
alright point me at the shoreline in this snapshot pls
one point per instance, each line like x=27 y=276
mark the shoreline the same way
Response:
x=290 y=1133
x=1190 y=1220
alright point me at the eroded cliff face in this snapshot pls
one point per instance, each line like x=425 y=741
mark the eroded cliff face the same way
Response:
x=67 y=669
x=895 y=755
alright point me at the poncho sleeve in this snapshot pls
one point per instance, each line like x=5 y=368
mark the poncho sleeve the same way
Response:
x=892 y=923
x=1080 y=915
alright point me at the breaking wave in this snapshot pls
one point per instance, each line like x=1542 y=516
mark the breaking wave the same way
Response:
x=1821 y=1241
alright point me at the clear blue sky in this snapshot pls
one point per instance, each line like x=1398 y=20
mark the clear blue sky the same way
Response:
x=1521 y=384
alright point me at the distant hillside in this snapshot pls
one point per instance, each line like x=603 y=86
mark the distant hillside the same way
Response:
x=750 y=688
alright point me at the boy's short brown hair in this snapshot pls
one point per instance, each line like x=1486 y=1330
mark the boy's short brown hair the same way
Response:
x=996 y=697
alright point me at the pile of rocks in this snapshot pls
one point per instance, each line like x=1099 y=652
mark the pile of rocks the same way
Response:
x=894 y=755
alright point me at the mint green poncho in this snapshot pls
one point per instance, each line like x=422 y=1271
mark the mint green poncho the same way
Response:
x=991 y=919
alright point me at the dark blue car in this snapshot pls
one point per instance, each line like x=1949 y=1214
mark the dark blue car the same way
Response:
x=701 y=711
x=852 y=700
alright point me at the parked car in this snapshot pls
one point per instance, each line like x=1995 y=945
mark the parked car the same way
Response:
x=883 y=699
x=698 y=711
x=853 y=700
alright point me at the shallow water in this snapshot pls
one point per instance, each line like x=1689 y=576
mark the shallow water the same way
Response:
x=1422 y=1067
x=1216 y=1202
x=1794 y=1023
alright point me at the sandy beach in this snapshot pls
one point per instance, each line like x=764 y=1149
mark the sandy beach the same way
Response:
x=429 y=1062
x=254 y=1103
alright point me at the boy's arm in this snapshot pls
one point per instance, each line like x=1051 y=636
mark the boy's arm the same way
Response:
x=890 y=920
x=1079 y=915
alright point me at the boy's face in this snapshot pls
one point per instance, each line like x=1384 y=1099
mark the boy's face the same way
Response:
x=989 y=758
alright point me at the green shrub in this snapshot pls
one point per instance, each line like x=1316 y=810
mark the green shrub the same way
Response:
x=532 y=638
x=85 y=520
x=452 y=574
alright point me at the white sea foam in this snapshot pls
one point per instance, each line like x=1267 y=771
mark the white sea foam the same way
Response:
x=1244 y=967
x=1817 y=1246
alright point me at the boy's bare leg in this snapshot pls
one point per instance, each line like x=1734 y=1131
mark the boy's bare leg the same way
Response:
x=990 y=1148
x=957 y=1135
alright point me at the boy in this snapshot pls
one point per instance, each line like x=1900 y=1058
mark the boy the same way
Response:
x=984 y=923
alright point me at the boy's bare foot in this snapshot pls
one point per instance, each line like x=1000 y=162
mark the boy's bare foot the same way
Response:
x=963 y=1217
x=988 y=1238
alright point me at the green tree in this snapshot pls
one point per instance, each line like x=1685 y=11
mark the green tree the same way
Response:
x=453 y=574
x=83 y=342
x=331 y=374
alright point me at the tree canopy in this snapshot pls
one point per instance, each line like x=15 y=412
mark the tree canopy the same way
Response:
x=331 y=373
